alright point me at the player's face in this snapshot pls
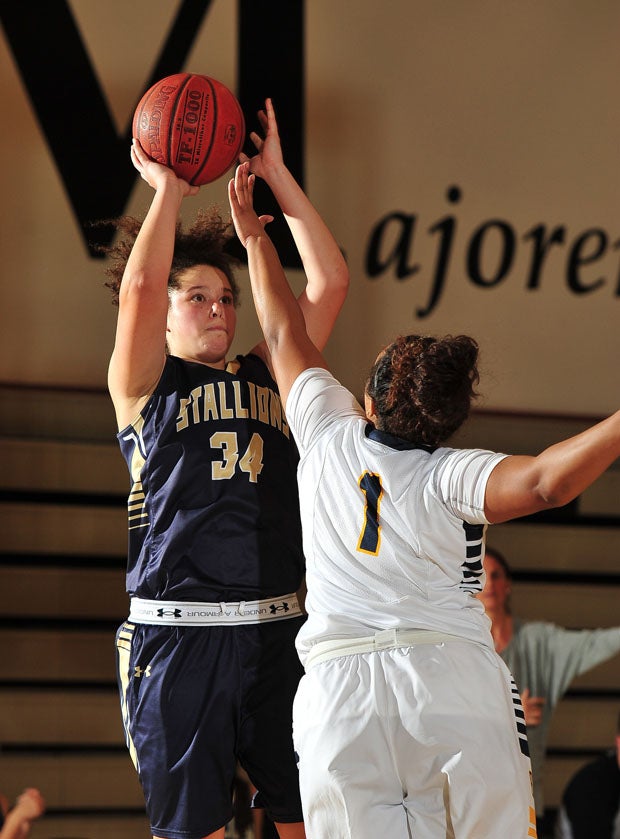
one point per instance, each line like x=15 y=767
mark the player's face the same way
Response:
x=202 y=316
x=496 y=589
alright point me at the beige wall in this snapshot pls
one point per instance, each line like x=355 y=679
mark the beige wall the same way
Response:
x=513 y=102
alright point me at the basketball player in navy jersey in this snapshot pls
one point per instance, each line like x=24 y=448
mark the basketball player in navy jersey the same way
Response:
x=207 y=666
x=407 y=723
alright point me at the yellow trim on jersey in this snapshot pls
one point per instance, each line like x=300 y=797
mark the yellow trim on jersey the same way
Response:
x=124 y=649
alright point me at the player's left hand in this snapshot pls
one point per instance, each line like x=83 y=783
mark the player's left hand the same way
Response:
x=240 y=195
x=269 y=151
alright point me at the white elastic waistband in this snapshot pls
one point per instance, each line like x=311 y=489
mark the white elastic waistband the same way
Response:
x=183 y=613
x=387 y=639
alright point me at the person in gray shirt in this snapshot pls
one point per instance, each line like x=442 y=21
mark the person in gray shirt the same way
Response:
x=542 y=657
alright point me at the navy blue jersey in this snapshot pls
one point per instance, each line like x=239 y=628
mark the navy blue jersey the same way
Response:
x=213 y=507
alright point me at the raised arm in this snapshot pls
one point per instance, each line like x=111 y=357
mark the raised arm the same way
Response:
x=520 y=486
x=140 y=345
x=324 y=265
x=279 y=313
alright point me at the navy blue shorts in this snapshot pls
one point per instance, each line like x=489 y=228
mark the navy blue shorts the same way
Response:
x=195 y=700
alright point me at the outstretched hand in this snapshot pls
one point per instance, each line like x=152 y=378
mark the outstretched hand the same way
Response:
x=240 y=195
x=269 y=151
x=156 y=174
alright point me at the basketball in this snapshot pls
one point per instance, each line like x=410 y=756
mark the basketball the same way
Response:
x=191 y=123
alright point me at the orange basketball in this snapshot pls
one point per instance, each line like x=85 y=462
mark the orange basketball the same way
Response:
x=191 y=123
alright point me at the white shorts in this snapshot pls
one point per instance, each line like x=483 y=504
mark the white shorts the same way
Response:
x=418 y=741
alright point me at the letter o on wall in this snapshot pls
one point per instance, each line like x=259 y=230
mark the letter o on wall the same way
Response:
x=505 y=252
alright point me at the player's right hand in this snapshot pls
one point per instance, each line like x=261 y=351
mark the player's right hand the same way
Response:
x=156 y=174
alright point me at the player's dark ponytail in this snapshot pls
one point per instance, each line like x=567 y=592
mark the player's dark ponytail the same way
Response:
x=423 y=387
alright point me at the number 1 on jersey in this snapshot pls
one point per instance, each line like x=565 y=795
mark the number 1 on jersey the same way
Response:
x=370 y=485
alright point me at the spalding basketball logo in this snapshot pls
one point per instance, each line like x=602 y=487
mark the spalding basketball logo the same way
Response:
x=230 y=134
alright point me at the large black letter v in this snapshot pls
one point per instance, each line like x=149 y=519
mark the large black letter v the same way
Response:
x=92 y=159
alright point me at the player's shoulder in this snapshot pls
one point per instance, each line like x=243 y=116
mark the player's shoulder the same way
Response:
x=320 y=410
x=316 y=390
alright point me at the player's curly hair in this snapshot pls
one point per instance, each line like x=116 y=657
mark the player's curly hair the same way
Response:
x=423 y=387
x=204 y=242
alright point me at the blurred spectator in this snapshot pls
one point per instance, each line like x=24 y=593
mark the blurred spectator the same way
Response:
x=543 y=658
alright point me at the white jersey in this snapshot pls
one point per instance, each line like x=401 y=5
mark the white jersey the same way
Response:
x=393 y=533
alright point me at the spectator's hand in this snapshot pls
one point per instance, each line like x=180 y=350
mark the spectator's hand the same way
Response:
x=532 y=707
x=30 y=804
x=269 y=157
x=28 y=807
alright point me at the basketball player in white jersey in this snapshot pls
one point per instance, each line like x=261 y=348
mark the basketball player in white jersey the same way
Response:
x=406 y=723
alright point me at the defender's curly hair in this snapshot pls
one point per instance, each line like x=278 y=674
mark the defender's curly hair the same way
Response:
x=423 y=387
x=204 y=242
